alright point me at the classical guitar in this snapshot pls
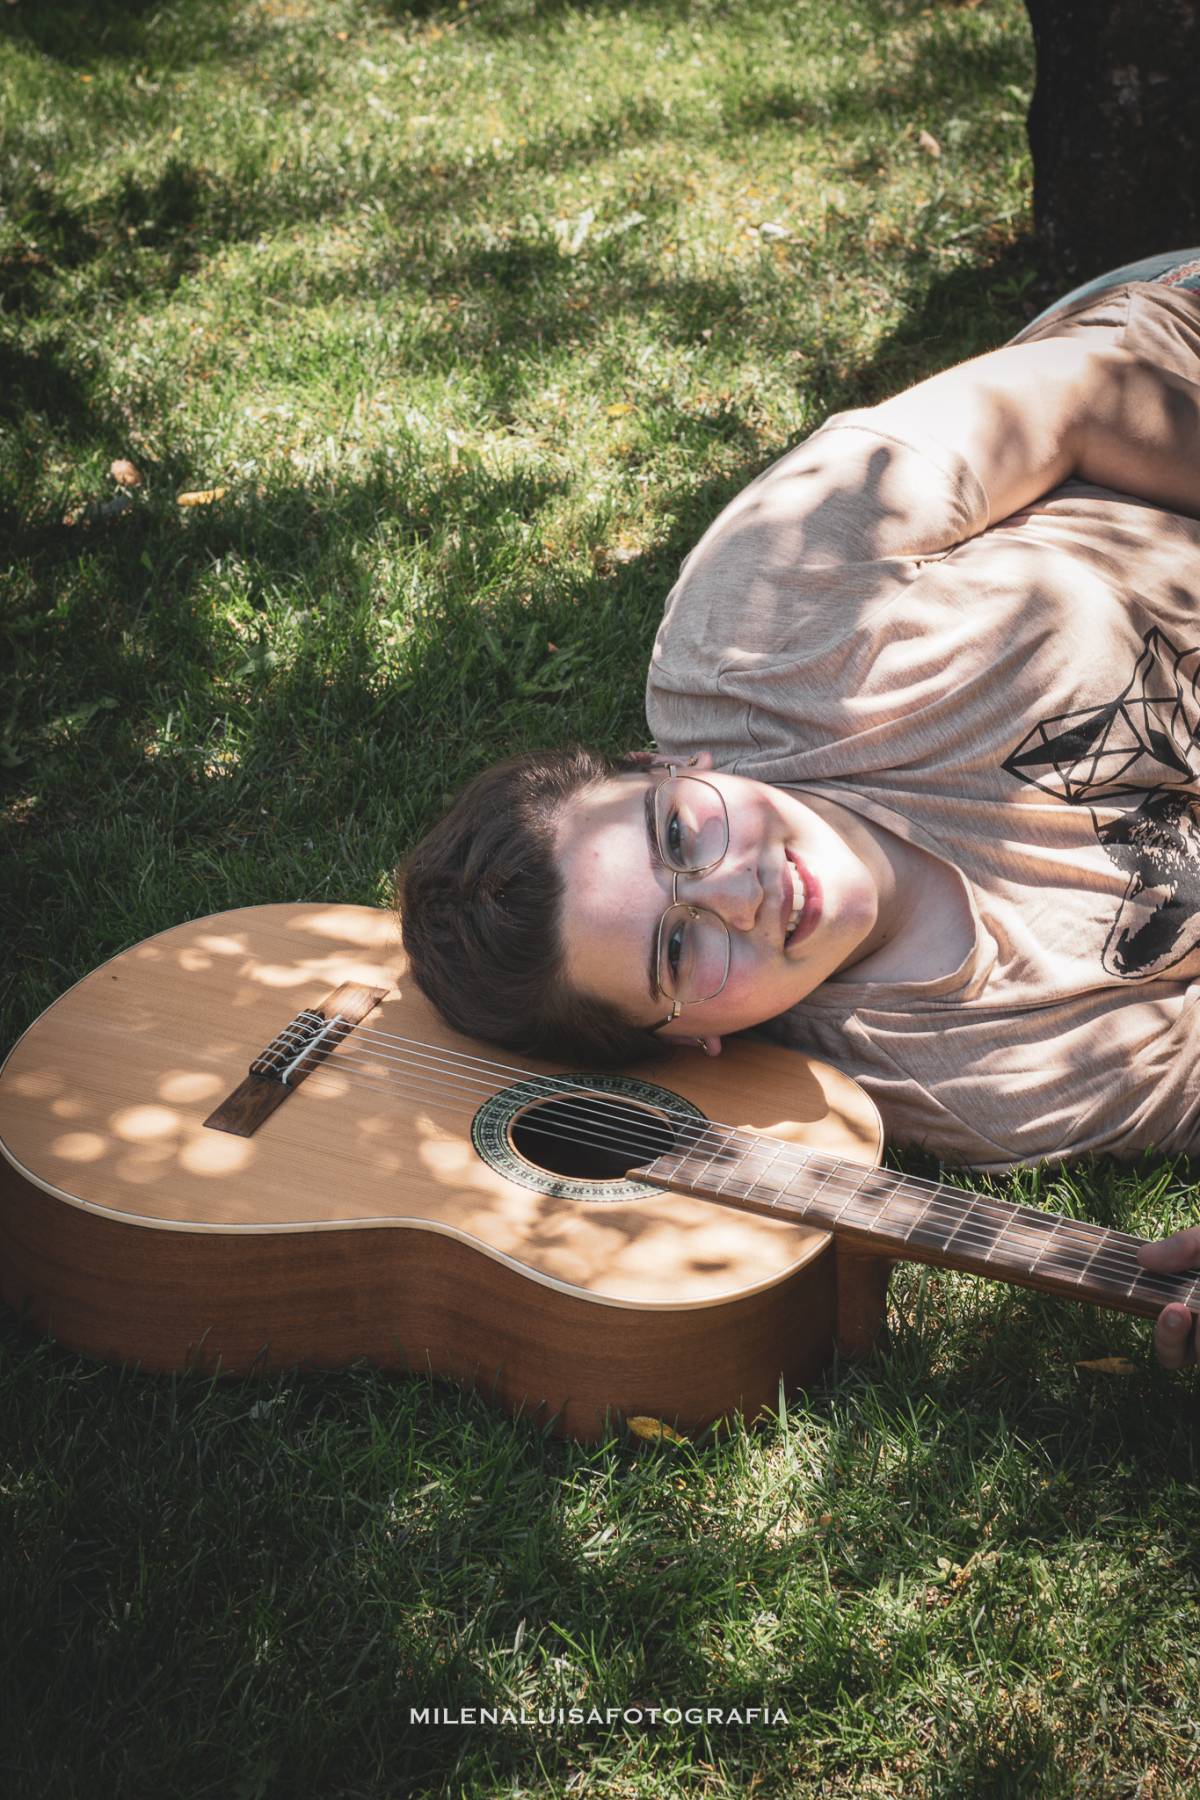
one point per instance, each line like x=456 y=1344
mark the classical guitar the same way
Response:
x=249 y=1143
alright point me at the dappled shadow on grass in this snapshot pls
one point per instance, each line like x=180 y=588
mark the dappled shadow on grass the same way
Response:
x=931 y=80
x=337 y=738
x=386 y=1542
x=323 y=1534
x=90 y=32
x=498 y=19
x=955 y=314
x=187 y=210
x=148 y=233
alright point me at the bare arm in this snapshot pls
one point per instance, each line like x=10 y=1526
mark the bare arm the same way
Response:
x=1031 y=416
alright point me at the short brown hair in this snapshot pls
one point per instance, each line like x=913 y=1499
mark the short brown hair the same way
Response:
x=480 y=903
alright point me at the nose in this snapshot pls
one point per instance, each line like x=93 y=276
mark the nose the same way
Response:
x=732 y=890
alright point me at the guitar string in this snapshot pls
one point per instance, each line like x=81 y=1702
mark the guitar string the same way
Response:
x=808 y=1158
x=1086 y=1233
x=1120 y=1270
x=1112 y=1262
x=604 y=1100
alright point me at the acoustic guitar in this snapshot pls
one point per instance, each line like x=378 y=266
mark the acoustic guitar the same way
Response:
x=249 y=1143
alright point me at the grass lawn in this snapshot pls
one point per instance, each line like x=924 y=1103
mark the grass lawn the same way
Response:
x=459 y=322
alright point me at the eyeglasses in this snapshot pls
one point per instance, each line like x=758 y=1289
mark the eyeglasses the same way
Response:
x=693 y=951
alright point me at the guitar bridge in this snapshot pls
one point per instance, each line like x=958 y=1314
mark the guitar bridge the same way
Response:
x=292 y=1054
x=308 y=1034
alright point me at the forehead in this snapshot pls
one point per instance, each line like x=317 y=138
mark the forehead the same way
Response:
x=601 y=834
x=612 y=892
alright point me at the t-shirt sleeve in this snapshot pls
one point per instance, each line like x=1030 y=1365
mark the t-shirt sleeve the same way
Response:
x=1159 y=323
x=801 y=560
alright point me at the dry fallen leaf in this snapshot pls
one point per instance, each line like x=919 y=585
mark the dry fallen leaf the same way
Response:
x=1109 y=1365
x=929 y=143
x=618 y=409
x=125 y=473
x=653 y=1430
x=200 y=497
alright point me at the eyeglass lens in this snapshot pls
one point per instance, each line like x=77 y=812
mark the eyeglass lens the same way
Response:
x=692 y=830
x=690 y=824
x=693 y=954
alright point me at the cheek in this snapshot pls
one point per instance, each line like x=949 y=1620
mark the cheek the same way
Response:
x=750 y=996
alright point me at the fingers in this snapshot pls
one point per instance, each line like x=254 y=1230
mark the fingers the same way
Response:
x=1175 y=1329
x=1179 y=1252
x=1174 y=1337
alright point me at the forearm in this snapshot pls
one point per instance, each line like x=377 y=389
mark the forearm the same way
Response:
x=1031 y=416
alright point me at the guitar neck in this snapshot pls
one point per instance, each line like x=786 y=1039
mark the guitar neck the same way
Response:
x=921 y=1221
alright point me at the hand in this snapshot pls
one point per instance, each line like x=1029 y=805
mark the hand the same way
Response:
x=1175 y=1332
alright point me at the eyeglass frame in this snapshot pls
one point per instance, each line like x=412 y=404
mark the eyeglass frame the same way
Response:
x=677 y=773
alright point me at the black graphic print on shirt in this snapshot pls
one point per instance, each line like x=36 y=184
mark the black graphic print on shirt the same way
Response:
x=1138 y=753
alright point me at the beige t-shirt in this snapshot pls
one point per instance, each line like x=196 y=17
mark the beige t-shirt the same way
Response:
x=1022 y=701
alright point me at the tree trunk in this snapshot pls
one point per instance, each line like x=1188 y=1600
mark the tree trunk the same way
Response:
x=1114 y=129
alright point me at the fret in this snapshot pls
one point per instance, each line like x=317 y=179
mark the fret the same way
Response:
x=884 y=1187
x=1010 y=1213
x=776 y=1148
x=1192 y=1297
x=1157 y=1289
x=918 y=1230
x=685 y=1152
x=855 y=1191
x=889 y=1221
x=890 y=1214
x=964 y=1214
x=1183 y=1286
x=1058 y=1256
x=1085 y=1271
x=746 y=1160
x=702 y=1171
x=675 y=1156
x=804 y=1204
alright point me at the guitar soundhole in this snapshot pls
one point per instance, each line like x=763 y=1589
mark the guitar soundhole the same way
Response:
x=575 y=1137
x=589 y=1139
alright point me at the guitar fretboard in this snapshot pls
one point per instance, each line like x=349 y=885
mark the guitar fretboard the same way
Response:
x=921 y=1221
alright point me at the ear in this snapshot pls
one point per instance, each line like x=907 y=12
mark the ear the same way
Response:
x=679 y=1037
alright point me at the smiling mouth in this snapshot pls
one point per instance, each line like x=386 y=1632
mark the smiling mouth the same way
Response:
x=802 y=899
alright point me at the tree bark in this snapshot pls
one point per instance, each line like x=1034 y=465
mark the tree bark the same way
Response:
x=1114 y=129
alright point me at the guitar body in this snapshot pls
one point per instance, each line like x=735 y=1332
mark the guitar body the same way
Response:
x=396 y=1207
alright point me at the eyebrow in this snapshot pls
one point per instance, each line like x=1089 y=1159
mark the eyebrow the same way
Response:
x=655 y=861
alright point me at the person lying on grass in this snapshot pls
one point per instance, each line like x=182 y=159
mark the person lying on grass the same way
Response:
x=926 y=697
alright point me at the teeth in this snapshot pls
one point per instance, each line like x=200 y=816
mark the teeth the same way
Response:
x=797 y=901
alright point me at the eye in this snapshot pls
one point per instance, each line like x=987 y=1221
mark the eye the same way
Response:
x=673 y=837
x=674 y=953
